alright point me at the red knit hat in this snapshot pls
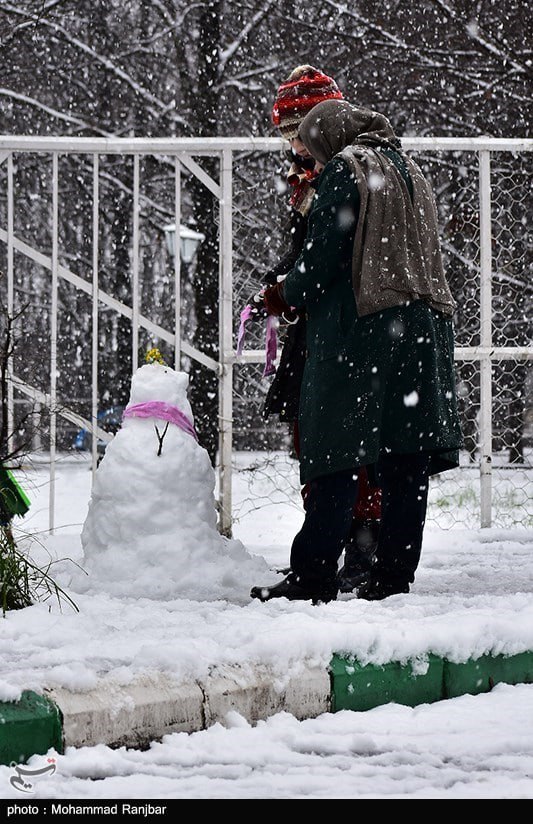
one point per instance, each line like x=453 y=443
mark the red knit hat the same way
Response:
x=303 y=89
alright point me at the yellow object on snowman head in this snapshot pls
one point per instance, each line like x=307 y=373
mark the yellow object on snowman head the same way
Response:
x=154 y=356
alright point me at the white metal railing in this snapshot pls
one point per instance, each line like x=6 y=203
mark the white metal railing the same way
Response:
x=183 y=150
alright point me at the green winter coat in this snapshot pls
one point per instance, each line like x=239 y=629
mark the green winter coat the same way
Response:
x=379 y=383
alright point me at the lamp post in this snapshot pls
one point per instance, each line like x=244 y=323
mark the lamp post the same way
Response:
x=189 y=241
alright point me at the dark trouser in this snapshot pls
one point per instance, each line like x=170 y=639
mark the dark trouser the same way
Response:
x=404 y=482
x=317 y=547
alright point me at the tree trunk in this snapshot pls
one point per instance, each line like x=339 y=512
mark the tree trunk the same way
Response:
x=204 y=383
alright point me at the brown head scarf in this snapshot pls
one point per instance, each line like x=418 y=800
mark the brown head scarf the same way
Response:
x=396 y=256
x=334 y=124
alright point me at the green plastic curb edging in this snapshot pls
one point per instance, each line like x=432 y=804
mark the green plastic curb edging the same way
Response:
x=357 y=687
x=30 y=726
x=482 y=674
x=33 y=725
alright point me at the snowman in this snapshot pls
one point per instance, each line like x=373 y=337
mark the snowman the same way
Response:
x=151 y=526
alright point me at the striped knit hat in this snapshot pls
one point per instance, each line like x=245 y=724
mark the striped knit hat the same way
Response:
x=303 y=89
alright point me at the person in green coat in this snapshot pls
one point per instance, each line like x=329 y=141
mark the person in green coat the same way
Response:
x=378 y=385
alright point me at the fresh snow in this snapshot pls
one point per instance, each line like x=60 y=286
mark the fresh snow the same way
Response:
x=182 y=608
x=471 y=597
x=468 y=747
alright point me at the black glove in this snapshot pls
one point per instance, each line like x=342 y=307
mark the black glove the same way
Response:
x=257 y=303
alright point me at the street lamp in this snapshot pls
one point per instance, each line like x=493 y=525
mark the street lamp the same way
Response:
x=189 y=241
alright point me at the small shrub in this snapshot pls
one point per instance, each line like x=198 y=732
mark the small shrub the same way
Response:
x=22 y=583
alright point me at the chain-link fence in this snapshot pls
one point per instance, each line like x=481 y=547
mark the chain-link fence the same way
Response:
x=455 y=175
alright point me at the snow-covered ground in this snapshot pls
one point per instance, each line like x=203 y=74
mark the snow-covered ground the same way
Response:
x=473 y=594
x=468 y=747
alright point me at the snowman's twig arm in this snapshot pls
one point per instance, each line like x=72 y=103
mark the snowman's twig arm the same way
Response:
x=160 y=438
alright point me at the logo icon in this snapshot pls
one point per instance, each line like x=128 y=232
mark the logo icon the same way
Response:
x=21 y=780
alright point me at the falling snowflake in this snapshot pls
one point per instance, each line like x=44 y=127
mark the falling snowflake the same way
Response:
x=411 y=399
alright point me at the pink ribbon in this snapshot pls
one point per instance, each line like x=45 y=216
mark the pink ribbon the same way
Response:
x=164 y=411
x=271 y=342
x=246 y=314
x=271 y=346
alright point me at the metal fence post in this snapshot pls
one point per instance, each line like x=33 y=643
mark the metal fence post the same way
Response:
x=485 y=265
x=94 y=376
x=53 y=340
x=177 y=264
x=225 y=396
x=10 y=294
x=135 y=278
x=36 y=441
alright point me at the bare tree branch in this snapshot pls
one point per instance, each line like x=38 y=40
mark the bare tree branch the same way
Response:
x=227 y=53
x=137 y=87
x=67 y=118
x=474 y=32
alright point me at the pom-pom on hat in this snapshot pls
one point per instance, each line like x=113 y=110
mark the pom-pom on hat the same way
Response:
x=298 y=94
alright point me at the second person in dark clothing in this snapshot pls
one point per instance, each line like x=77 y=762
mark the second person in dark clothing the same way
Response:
x=305 y=88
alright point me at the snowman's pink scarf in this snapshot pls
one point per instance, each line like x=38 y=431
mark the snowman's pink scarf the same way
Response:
x=164 y=411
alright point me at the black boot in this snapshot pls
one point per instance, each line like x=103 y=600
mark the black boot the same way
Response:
x=374 y=590
x=359 y=554
x=290 y=588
